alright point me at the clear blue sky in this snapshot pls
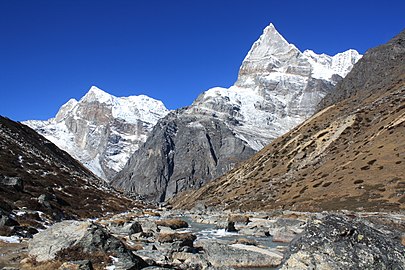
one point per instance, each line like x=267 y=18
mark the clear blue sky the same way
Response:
x=51 y=51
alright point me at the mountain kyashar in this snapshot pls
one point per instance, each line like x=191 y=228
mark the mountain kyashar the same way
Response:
x=349 y=155
x=278 y=87
x=100 y=130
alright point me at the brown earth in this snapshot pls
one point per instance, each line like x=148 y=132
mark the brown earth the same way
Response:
x=350 y=155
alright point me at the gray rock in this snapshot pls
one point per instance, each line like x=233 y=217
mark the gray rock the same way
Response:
x=126 y=228
x=283 y=235
x=81 y=238
x=169 y=162
x=220 y=253
x=337 y=242
x=13 y=182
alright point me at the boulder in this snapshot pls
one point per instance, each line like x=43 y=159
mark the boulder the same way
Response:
x=77 y=240
x=184 y=239
x=239 y=219
x=125 y=228
x=172 y=223
x=221 y=254
x=339 y=242
x=231 y=227
x=283 y=235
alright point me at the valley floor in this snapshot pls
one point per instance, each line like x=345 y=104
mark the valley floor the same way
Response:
x=173 y=239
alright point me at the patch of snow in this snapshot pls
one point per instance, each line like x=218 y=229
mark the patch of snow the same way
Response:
x=10 y=239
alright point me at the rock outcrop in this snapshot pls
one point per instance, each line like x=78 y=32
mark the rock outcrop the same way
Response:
x=100 y=130
x=277 y=88
x=347 y=156
x=337 y=242
x=75 y=240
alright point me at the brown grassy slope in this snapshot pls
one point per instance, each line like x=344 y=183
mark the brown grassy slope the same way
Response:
x=69 y=189
x=350 y=155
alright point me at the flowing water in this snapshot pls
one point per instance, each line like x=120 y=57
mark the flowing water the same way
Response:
x=210 y=231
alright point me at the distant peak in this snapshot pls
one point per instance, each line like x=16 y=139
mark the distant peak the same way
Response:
x=270 y=44
x=96 y=94
x=95 y=89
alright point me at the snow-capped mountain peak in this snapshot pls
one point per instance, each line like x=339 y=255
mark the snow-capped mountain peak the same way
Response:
x=101 y=130
x=278 y=87
x=270 y=44
x=324 y=66
x=95 y=94
x=67 y=107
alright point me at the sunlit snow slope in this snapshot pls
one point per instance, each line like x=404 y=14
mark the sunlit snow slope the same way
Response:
x=101 y=130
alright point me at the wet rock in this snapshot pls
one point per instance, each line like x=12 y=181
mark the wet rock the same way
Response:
x=231 y=227
x=173 y=224
x=75 y=240
x=338 y=242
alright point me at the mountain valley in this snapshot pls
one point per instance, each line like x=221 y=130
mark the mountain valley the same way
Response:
x=298 y=165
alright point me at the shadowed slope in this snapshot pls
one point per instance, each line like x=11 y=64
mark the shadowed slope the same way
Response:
x=35 y=175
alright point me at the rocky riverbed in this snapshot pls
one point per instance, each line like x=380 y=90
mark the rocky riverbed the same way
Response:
x=167 y=239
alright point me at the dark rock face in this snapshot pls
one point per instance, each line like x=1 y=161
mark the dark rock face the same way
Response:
x=337 y=242
x=183 y=152
x=377 y=68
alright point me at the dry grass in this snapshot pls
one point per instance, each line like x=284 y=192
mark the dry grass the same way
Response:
x=99 y=259
x=31 y=264
x=349 y=156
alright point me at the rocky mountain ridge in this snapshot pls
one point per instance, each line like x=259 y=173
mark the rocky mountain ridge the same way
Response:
x=278 y=87
x=101 y=130
x=41 y=184
x=349 y=155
